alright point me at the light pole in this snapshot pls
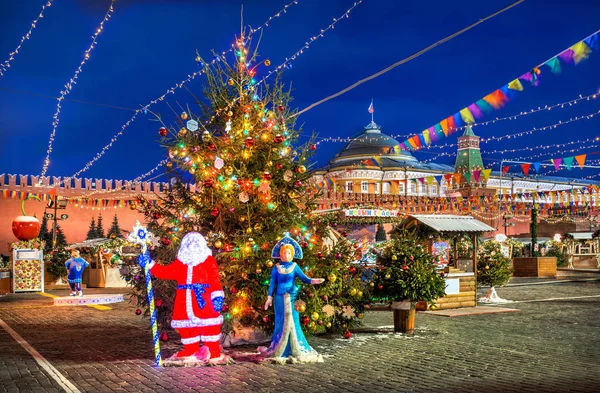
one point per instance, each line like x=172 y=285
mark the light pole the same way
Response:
x=56 y=204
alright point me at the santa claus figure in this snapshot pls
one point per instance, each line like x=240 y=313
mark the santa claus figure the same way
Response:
x=199 y=297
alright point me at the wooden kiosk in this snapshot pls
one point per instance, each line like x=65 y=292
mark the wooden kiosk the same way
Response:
x=441 y=233
x=104 y=269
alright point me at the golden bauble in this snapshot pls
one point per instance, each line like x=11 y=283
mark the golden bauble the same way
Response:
x=230 y=82
x=228 y=170
x=267 y=62
x=248 y=230
x=258 y=271
x=183 y=132
x=133 y=206
x=359 y=294
x=269 y=263
x=360 y=315
x=371 y=284
x=332 y=278
x=394 y=258
x=184 y=116
x=312 y=325
x=353 y=291
x=315 y=316
x=301 y=308
x=388 y=276
x=328 y=325
x=206 y=136
x=218 y=244
x=301 y=169
x=169 y=164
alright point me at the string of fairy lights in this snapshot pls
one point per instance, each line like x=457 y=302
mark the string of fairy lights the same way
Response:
x=11 y=56
x=69 y=86
x=172 y=90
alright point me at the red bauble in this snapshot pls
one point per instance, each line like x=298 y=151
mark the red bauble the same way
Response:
x=211 y=146
x=278 y=138
x=214 y=212
x=380 y=286
x=404 y=267
x=156 y=215
x=280 y=108
x=162 y=131
x=164 y=337
x=138 y=312
x=208 y=183
x=347 y=335
x=352 y=270
x=313 y=147
x=266 y=319
x=278 y=166
x=310 y=295
x=298 y=183
x=338 y=256
x=165 y=241
x=159 y=303
x=249 y=141
x=233 y=290
x=305 y=320
x=320 y=322
x=267 y=176
x=303 y=244
x=26 y=227
x=324 y=298
x=225 y=308
x=319 y=255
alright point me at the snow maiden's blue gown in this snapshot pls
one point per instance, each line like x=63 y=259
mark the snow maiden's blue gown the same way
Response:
x=288 y=341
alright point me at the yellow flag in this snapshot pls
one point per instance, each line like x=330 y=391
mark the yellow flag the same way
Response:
x=516 y=85
x=427 y=137
x=580 y=51
x=467 y=116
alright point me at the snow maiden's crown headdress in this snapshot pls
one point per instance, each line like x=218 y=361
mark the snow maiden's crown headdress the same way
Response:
x=289 y=241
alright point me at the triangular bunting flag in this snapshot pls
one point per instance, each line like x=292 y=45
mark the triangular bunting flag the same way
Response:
x=568 y=161
x=581 y=160
x=505 y=169
x=554 y=65
x=467 y=176
x=486 y=173
x=476 y=175
x=525 y=169
x=515 y=85
x=536 y=166
x=556 y=162
x=457 y=178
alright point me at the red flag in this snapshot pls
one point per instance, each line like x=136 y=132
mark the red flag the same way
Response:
x=52 y=192
x=505 y=169
x=525 y=169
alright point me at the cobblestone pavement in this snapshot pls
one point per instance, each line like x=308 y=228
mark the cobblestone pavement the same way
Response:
x=549 y=346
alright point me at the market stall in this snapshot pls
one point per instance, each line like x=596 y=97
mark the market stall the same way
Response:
x=105 y=259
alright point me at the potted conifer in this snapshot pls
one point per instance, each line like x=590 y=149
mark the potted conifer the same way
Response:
x=406 y=274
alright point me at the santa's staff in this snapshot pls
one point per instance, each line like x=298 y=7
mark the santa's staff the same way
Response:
x=141 y=236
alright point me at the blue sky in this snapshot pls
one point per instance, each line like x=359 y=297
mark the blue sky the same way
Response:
x=148 y=46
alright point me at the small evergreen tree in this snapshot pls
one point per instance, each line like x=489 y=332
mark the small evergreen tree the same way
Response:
x=115 y=229
x=92 y=233
x=380 y=235
x=61 y=240
x=100 y=227
x=45 y=234
x=493 y=268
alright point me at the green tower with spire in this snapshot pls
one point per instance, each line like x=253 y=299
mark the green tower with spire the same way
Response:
x=468 y=158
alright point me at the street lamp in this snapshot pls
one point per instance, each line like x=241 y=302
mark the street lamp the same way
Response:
x=56 y=203
x=507 y=216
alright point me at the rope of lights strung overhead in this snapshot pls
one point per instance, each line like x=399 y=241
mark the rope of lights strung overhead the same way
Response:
x=6 y=65
x=532 y=148
x=524 y=113
x=190 y=77
x=69 y=87
x=407 y=59
x=144 y=109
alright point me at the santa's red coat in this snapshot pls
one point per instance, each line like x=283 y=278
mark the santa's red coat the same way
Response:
x=203 y=277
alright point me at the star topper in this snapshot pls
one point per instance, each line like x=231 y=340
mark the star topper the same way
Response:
x=140 y=235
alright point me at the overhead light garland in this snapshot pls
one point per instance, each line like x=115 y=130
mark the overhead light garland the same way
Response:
x=172 y=90
x=6 y=65
x=70 y=84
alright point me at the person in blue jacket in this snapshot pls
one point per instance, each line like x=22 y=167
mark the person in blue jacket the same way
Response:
x=288 y=341
x=75 y=266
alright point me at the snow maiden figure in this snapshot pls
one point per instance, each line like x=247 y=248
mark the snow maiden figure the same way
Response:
x=288 y=341
x=75 y=266
x=198 y=300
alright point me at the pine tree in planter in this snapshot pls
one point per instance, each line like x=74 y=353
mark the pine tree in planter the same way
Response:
x=380 y=235
x=406 y=274
x=92 y=232
x=45 y=234
x=493 y=269
x=250 y=186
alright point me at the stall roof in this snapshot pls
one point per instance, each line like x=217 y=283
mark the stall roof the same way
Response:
x=90 y=243
x=453 y=223
x=582 y=235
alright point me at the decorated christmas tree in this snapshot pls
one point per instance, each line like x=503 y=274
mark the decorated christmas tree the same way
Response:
x=115 y=230
x=380 y=235
x=61 y=240
x=493 y=269
x=240 y=177
x=99 y=227
x=92 y=232
x=45 y=234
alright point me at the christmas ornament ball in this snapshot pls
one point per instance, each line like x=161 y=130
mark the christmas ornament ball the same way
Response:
x=164 y=337
x=214 y=212
x=159 y=302
x=347 y=335
x=353 y=291
x=184 y=116
x=301 y=169
x=269 y=263
x=113 y=236
x=266 y=319
x=305 y=320
x=138 y=312
x=133 y=206
x=218 y=244
x=280 y=108
x=230 y=82
x=313 y=147
x=328 y=325
x=267 y=62
x=162 y=131
x=315 y=316
x=332 y=278
x=302 y=308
